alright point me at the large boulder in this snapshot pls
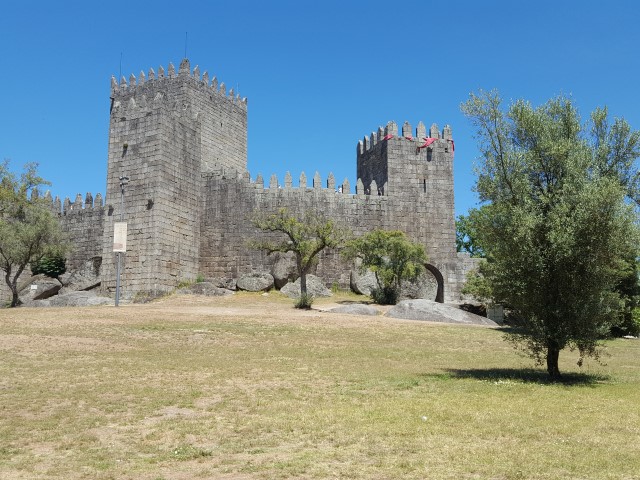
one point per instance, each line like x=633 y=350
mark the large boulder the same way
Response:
x=285 y=268
x=204 y=288
x=255 y=282
x=425 y=286
x=85 y=277
x=39 y=287
x=363 y=283
x=227 y=283
x=79 y=299
x=315 y=288
x=356 y=309
x=436 y=312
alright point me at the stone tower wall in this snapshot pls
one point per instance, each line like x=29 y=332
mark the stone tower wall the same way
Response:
x=164 y=131
x=415 y=168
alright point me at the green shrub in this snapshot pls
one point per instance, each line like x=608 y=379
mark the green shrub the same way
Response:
x=50 y=265
x=629 y=324
x=304 y=302
x=385 y=295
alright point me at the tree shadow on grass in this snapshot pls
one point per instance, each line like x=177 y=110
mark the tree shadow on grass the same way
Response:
x=524 y=376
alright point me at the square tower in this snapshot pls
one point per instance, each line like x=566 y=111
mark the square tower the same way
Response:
x=416 y=174
x=165 y=131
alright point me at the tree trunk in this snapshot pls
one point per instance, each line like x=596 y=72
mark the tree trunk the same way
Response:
x=303 y=284
x=553 y=352
x=13 y=286
x=14 y=293
x=14 y=299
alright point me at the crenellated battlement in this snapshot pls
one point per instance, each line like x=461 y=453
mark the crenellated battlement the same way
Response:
x=433 y=137
x=145 y=83
x=330 y=186
x=66 y=206
x=182 y=104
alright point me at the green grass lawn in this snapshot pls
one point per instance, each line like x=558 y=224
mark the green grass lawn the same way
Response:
x=248 y=387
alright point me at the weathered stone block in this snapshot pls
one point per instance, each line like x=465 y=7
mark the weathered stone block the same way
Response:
x=255 y=282
x=315 y=288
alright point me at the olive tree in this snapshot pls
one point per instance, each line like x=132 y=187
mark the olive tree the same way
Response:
x=29 y=230
x=556 y=230
x=305 y=236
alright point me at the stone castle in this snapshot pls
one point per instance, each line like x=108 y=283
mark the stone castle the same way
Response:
x=181 y=138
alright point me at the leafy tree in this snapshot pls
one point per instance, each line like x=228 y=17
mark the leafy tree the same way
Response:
x=28 y=229
x=615 y=149
x=392 y=257
x=478 y=286
x=629 y=290
x=306 y=237
x=466 y=237
x=555 y=227
x=50 y=265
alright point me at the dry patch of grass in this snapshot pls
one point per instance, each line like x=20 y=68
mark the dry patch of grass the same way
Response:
x=249 y=387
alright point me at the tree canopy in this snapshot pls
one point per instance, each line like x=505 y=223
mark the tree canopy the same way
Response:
x=29 y=230
x=306 y=237
x=52 y=266
x=555 y=227
x=466 y=237
x=392 y=257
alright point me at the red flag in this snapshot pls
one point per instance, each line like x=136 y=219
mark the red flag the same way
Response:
x=387 y=137
x=428 y=141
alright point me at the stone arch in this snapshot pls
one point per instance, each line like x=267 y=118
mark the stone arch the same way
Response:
x=439 y=279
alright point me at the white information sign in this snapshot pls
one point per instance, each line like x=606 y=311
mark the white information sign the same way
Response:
x=120 y=236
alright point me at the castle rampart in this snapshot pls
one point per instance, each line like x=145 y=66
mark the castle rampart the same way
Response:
x=83 y=222
x=181 y=142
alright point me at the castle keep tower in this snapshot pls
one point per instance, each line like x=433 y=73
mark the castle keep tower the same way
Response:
x=165 y=130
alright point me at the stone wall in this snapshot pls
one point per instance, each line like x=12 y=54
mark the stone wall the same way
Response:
x=417 y=176
x=165 y=131
x=230 y=199
x=84 y=225
x=161 y=201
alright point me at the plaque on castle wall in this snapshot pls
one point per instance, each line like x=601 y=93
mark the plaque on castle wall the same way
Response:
x=120 y=236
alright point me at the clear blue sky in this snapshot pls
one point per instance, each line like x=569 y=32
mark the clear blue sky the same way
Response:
x=319 y=75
